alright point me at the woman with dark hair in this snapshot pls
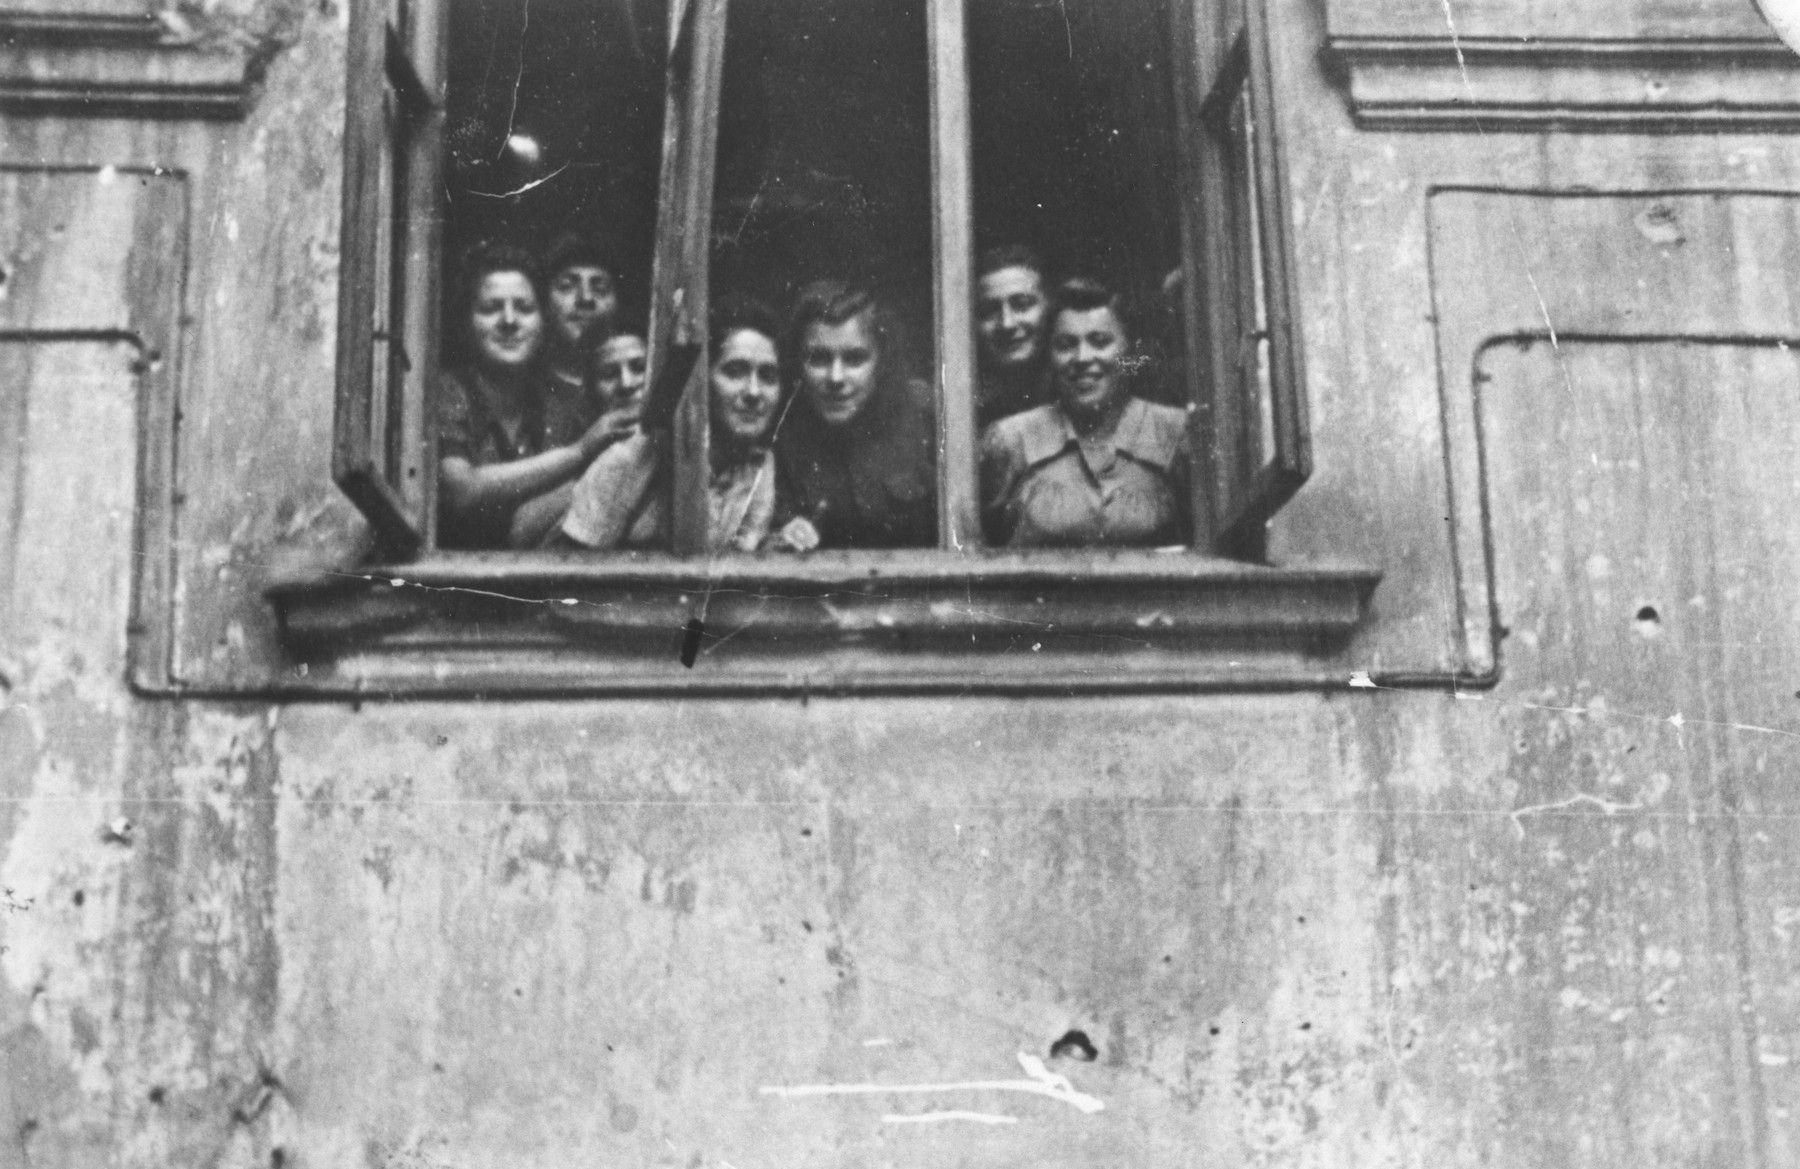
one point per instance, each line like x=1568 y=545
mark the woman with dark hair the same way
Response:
x=493 y=452
x=858 y=447
x=622 y=501
x=1098 y=466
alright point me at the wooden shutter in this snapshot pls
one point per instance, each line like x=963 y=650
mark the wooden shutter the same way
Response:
x=1256 y=448
x=678 y=284
x=383 y=453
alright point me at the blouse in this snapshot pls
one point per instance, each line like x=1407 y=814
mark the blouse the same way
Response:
x=468 y=429
x=871 y=483
x=621 y=501
x=1043 y=483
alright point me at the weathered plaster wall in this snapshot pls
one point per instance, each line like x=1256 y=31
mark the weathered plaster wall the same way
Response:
x=1552 y=923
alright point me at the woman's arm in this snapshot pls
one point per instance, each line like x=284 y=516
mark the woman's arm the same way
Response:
x=466 y=487
x=538 y=516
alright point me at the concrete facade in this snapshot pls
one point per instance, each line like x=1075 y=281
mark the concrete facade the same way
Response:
x=1548 y=922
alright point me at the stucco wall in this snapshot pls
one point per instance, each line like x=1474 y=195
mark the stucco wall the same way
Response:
x=1550 y=923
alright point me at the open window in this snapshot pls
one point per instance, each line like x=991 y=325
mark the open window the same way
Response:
x=754 y=145
x=387 y=307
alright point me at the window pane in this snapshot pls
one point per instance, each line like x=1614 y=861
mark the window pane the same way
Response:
x=824 y=174
x=1076 y=162
x=552 y=153
x=560 y=101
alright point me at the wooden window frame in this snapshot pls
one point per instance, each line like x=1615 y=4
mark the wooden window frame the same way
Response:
x=958 y=618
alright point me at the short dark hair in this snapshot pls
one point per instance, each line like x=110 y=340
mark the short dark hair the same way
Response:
x=1084 y=294
x=735 y=312
x=482 y=260
x=574 y=250
x=1010 y=256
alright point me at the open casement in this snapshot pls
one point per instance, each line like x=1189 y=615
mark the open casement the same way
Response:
x=678 y=293
x=1255 y=447
x=387 y=323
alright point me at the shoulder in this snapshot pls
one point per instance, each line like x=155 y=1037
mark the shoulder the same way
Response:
x=1030 y=437
x=455 y=395
x=1153 y=433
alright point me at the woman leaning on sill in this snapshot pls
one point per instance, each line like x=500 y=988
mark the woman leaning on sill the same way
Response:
x=622 y=501
x=858 y=448
x=1099 y=466
x=493 y=452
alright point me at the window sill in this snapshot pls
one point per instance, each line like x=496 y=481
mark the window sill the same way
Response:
x=544 y=624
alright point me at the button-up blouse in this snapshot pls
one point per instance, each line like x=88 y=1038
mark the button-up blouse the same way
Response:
x=1044 y=484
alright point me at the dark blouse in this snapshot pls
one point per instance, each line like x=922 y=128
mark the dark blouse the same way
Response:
x=468 y=429
x=871 y=483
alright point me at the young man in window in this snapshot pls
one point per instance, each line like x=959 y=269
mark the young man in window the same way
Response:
x=583 y=304
x=1011 y=313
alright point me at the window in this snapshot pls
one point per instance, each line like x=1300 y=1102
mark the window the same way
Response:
x=753 y=145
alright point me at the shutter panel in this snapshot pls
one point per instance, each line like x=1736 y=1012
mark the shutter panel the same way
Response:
x=1258 y=448
x=383 y=448
x=678 y=292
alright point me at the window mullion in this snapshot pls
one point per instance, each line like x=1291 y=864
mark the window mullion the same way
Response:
x=959 y=512
x=416 y=321
x=684 y=234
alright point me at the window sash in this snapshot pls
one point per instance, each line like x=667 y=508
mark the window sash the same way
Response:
x=953 y=239
x=1239 y=262
x=679 y=294
x=384 y=450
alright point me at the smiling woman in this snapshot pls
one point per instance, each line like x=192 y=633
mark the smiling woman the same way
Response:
x=621 y=501
x=494 y=449
x=1099 y=466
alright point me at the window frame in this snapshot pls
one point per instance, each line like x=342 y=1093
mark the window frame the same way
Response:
x=960 y=616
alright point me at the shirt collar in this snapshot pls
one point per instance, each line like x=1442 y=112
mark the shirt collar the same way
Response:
x=1048 y=432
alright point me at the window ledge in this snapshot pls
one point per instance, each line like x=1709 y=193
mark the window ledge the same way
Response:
x=478 y=623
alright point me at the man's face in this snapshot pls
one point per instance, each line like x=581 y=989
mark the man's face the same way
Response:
x=1009 y=315
x=619 y=372
x=581 y=296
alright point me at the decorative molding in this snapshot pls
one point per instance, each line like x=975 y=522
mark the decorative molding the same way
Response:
x=1525 y=83
x=116 y=66
x=828 y=623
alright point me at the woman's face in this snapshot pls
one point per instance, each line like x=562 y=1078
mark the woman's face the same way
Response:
x=619 y=371
x=746 y=387
x=1087 y=351
x=508 y=324
x=837 y=368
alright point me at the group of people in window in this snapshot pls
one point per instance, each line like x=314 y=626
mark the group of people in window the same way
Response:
x=820 y=434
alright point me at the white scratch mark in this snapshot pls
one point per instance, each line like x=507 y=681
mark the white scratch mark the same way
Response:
x=518 y=77
x=1609 y=807
x=1043 y=1082
x=878 y=1043
x=947 y=1115
x=523 y=189
x=1456 y=43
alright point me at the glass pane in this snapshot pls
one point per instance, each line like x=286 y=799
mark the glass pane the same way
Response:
x=1077 y=178
x=552 y=153
x=824 y=175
